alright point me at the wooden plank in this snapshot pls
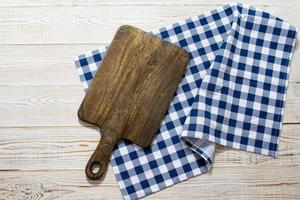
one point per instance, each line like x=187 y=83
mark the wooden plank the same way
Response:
x=97 y=24
x=67 y=75
x=57 y=105
x=32 y=3
x=41 y=56
x=40 y=105
x=238 y=183
x=53 y=64
x=56 y=185
x=59 y=148
x=244 y=183
x=36 y=160
x=34 y=76
x=293 y=92
x=74 y=24
x=46 y=148
x=295 y=72
x=228 y=182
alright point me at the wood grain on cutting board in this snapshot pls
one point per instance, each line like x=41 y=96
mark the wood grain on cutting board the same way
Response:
x=131 y=92
x=43 y=146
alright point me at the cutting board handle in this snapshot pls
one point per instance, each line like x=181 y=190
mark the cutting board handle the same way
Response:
x=98 y=163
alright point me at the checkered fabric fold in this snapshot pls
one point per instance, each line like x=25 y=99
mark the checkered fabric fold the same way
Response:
x=233 y=93
x=240 y=101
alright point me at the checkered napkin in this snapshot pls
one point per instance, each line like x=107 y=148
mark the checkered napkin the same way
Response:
x=240 y=101
x=232 y=93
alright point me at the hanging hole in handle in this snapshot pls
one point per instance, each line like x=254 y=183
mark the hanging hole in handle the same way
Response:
x=95 y=167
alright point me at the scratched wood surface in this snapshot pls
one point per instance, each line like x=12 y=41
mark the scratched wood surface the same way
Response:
x=44 y=148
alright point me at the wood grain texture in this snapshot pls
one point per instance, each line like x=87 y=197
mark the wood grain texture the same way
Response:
x=94 y=24
x=131 y=92
x=43 y=147
x=58 y=104
x=235 y=174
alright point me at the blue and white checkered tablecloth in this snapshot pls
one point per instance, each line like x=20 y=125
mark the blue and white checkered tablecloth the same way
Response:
x=233 y=94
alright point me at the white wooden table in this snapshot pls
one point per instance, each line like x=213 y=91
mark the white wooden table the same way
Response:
x=43 y=147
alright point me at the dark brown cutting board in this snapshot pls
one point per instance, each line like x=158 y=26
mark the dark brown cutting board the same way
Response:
x=131 y=91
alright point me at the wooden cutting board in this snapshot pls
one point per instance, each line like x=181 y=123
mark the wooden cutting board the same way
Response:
x=131 y=92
